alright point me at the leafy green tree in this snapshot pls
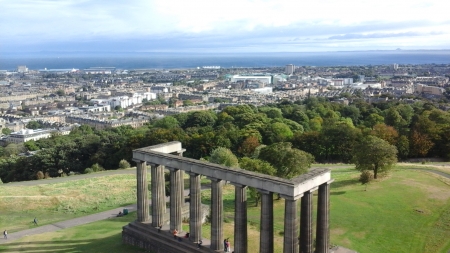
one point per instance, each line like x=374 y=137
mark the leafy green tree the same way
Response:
x=31 y=145
x=187 y=103
x=373 y=119
x=403 y=147
x=6 y=131
x=259 y=166
x=374 y=154
x=201 y=119
x=224 y=156
x=168 y=122
x=33 y=125
x=277 y=132
x=289 y=162
x=60 y=92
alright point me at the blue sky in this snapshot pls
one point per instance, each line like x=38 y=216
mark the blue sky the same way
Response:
x=222 y=26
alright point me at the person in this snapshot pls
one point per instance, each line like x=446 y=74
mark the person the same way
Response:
x=120 y=214
x=186 y=235
x=5 y=234
x=35 y=221
x=175 y=233
x=225 y=245
x=199 y=243
x=228 y=246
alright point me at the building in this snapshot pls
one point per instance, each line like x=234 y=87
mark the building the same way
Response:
x=261 y=78
x=290 y=68
x=22 y=69
x=25 y=135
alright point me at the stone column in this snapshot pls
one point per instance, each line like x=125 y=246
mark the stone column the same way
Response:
x=266 y=232
x=142 y=189
x=216 y=214
x=306 y=223
x=291 y=224
x=195 y=208
x=240 y=219
x=158 y=195
x=175 y=200
x=180 y=153
x=323 y=214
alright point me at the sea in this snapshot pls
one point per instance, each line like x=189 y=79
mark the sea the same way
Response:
x=162 y=61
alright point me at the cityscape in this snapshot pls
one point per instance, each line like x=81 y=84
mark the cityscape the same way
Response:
x=244 y=126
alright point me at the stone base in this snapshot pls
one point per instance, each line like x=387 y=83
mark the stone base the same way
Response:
x=144 y=236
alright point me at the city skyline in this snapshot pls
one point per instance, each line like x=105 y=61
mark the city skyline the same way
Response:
x=221 y=26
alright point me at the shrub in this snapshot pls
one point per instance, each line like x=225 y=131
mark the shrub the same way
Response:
x=97 y=167
x=88 y=171
x=47 y=175
x=366 y=177
x=39 y=175
x=1 y=182
x=124 y=164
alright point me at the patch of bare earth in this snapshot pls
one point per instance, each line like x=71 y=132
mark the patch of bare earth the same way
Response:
x=434 y=192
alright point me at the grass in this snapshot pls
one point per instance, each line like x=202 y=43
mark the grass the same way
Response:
x=62 y=201
x=101 y=236
x=406 y=211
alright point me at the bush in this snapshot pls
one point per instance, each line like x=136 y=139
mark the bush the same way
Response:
x=124 y=164
x=1 y=182
x=97 y=167
x=39 y=175
x=366 y=177
x=88 y=171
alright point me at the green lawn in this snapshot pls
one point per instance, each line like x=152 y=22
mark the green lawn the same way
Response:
x=102 y=236
x=406 y=211
x=62 y=201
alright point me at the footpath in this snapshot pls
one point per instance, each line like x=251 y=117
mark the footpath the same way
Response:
x=68 y=223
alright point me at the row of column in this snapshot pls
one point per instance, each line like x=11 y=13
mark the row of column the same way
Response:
x=293 y=243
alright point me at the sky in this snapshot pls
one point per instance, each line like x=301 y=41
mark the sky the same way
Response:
x=222 y=26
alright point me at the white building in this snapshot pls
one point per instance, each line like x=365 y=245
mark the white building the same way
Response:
x=263 y=79
x=25 y=135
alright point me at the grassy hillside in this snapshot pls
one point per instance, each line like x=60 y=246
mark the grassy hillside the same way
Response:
x=62 y=201
x=406 y=211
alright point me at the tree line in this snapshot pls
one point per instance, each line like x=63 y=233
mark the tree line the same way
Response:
x=329 y=131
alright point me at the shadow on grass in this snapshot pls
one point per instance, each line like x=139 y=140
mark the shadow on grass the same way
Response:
x=337 y=193
x=114 y=244
x=343 y=183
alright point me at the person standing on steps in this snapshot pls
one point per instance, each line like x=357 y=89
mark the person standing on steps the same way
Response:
x=5 y=234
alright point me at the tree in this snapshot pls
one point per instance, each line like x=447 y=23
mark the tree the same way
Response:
x=385 y=132
x=249 y=145
x=289 y=162
x=168 y=122
x=374 y=154
x=60 y=92
x=277 y=132
x=224 y=156
x=6 y=131
x=33 y=125
x=259 y=166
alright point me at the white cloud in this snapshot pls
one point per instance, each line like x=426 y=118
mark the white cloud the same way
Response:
x=246 y=23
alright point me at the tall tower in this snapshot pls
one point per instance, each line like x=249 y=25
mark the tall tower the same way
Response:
x=289 y=69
